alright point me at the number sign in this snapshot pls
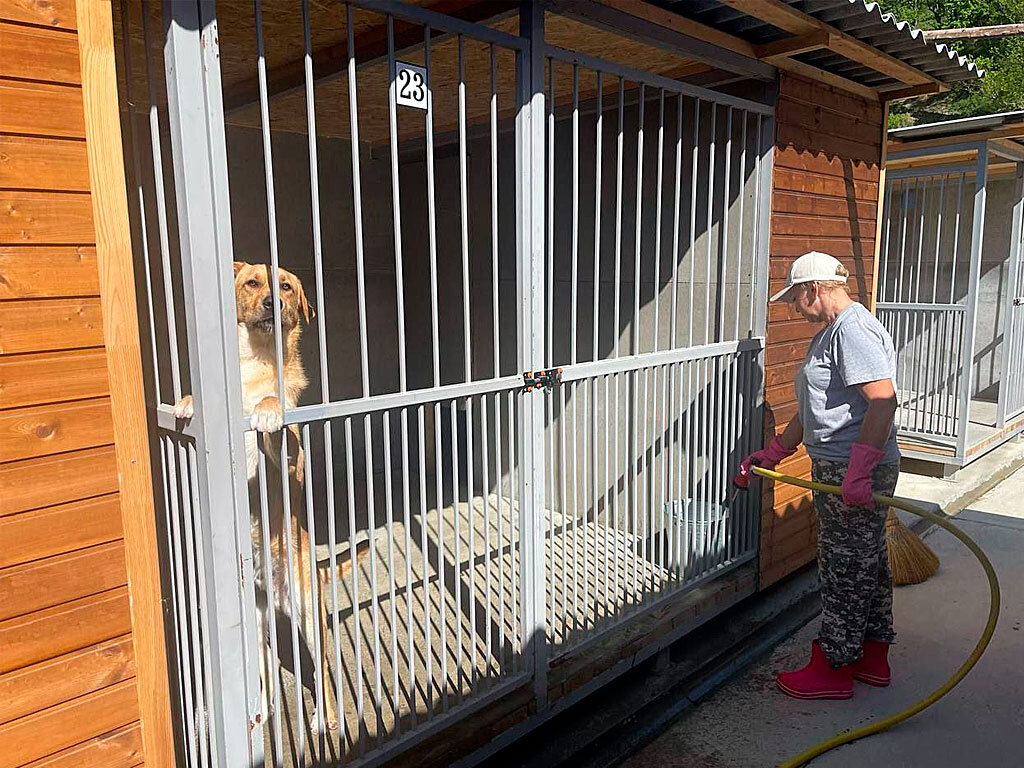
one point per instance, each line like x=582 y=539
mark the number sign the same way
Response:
x=410 y=85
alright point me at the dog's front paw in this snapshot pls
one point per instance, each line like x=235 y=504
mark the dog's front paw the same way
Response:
x=183 y=409
x=267 y=416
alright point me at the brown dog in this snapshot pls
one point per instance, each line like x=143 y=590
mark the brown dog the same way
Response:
x=254 y=305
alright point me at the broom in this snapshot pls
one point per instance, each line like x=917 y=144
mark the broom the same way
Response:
x=910 y=559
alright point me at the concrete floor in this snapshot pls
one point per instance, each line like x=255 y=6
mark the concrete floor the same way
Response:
x=980 y=724
x=478 y=621
x=951 y=495
x=982 y=423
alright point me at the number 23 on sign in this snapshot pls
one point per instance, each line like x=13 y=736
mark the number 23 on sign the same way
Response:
x=410 y=85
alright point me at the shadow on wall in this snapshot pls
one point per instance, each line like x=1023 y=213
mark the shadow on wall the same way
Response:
x=824 y=137
x=822 y=202
x=862 y=261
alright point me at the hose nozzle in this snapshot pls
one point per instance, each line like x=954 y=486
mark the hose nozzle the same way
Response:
x=742 y=479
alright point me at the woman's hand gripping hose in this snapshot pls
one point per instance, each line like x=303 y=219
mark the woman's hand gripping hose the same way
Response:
x=768 y=457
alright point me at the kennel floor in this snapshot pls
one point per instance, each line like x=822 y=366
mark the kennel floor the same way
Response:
x=935 y=413
x=435 y=655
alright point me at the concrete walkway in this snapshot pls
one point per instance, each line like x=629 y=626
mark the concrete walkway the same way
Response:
x=749 y=724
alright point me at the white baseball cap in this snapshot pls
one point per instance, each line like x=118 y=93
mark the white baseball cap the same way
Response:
x=810 y=267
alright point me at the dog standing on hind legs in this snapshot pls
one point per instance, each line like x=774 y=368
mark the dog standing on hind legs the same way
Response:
x=254 y=303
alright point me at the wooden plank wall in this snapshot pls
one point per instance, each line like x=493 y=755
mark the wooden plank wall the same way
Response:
x=67 y=665
x=824 y=197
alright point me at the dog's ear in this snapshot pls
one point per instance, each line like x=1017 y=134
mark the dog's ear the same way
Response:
x=307 y=309
x=238 y=267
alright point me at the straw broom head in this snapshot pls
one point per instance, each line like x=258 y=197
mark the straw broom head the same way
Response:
x=910 y=559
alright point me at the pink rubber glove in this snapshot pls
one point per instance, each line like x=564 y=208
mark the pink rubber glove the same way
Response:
x=767 y=457
x=857 y=485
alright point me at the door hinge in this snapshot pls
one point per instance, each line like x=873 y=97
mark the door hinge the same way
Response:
x=544 y=379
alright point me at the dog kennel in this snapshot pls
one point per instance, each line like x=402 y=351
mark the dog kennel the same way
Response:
x=537 y=239
x=950 y=285
x=539 y=282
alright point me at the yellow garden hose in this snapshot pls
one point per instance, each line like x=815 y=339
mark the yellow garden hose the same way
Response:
x=990 y=626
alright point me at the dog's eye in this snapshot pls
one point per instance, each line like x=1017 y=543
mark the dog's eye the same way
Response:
x=253 y=283
x=286 y=286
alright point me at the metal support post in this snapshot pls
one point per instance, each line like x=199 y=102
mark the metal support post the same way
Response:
x=759 y=296
x=765 y=161
x=973 y=278
x=1011 y=344
x=201 y=191
x=530 y=176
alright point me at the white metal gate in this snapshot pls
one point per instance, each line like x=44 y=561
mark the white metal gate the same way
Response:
x=927 y=290
x=656 y=275
x=1011 y=393
x=429 y=531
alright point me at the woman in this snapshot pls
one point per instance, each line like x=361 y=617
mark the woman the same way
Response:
x=846 y=401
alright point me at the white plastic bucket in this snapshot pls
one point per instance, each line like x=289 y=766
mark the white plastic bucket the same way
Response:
x=693 y=538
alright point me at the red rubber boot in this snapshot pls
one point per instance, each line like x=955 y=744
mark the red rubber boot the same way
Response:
x=818 y=680
x=873 y=667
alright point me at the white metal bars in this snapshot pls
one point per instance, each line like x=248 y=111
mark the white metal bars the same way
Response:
x=926 y=235
x=175 y=496
x=929 y=340
x=425 y=622
x=412 y=610
x=923 y=289
x=640 y=503
x=395 y=525
x=676 y=155
x=620 y=464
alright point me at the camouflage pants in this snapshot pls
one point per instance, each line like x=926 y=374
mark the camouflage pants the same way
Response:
x=856 y=584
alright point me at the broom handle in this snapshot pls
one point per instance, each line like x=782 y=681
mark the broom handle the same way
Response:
x=990 y=626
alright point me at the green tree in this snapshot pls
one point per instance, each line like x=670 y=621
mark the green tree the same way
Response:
x=1002 y=88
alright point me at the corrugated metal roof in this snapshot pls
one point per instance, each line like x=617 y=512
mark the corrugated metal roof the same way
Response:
x=958 y=126
x=857 y=18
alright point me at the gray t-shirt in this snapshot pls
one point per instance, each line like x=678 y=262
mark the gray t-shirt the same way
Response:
x=854 y=349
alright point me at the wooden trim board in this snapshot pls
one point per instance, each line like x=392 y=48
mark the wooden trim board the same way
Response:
x=1012 y=131
x=121 y=335
x=674 y=21
x=910 y=92
x=837 y=81
x=792 y=46
x=881 y=210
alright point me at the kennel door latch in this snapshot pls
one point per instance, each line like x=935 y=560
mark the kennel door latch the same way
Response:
x=544 y=379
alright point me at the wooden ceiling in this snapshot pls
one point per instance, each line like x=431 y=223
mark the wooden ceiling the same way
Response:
x=284 y=51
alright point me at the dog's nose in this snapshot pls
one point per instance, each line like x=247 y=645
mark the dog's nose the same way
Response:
x=268 y=302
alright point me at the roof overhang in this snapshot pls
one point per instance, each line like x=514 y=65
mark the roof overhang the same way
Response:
x=959 y=127
x=850 y=44
x=1001 y=136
